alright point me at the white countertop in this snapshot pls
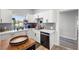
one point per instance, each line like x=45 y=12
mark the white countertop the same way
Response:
x=48 y=31
x=12 y=31
x=41 y=30
x=45 y=30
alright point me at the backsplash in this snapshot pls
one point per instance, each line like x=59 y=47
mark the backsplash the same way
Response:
x=50 y=26
x=47 y=25
x=8 y=26
x=30 y=25
x=5 y=26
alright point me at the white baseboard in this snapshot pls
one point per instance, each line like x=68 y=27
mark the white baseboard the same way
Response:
x=68 y=37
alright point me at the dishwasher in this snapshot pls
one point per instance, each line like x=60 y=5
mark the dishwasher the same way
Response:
x=44 y=39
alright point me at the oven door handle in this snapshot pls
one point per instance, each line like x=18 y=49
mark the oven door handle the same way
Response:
x=45 y=34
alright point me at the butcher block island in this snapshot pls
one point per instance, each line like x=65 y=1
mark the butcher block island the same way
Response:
x=29 y=45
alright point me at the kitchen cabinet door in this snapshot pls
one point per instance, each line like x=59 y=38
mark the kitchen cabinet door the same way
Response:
x=49 y=16
x=30 y=33
x=37 y=36
x=31 y=18
x=34 y=34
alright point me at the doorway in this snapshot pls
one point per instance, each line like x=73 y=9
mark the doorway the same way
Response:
x=68 y=29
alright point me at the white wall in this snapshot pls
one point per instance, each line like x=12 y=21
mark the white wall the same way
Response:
x=6 y=16
x=22 y=12
x=78 y=30
x=0 y=15
x=68 y=24
x=57 y=28
x=41 y=10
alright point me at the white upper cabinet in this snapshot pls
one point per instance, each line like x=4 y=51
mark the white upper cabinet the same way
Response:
x=36 y=35
x=49 y=16
x=62 y=10
x=30 y=18
x=6 y=16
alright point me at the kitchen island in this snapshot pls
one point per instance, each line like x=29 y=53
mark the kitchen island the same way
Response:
x=29 y=45
x=12 y=31
x=31 y=33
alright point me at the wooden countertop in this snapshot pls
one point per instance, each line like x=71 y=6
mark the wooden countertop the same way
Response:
x=28 y=44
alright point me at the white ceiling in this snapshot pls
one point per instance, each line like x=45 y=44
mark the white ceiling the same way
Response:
x=22 y=11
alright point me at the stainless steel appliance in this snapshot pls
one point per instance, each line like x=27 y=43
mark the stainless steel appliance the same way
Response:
x=44 y=39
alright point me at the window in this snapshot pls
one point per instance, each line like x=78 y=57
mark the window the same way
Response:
x=18 y=22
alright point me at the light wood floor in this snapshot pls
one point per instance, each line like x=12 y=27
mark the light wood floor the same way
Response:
x=41 y=48
x=4 y=45
x=55 y=47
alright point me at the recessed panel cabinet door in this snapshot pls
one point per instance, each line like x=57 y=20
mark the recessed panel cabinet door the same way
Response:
x=37 y=36
x=49 y=16
x=30 y=34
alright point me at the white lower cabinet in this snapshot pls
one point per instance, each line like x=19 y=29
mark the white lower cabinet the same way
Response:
x=37 y=36
x=34 y=34
x=30 y=33
x=52 y=39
